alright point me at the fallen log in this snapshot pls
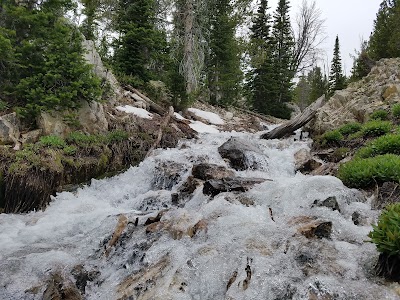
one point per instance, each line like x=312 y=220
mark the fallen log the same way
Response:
x=153 y=106
x=298 y=122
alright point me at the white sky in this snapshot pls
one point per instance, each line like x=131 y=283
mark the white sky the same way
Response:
x=351 y=20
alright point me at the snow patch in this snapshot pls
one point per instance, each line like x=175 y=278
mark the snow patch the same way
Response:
x=200 y=127
x=209 y=116
x=140 y=112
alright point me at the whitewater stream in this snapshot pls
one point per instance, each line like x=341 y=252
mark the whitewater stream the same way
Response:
x=231 y=246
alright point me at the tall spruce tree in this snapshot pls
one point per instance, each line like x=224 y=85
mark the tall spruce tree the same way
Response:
x=223 y=68
x=337 y=81
x=384 y=40
x=318 y=83
x=139 y=51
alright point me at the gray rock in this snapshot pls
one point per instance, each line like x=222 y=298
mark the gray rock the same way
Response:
x=330 y=202
x=9 y=129
x=215 y=186
x=206 y=171
x=238 y=151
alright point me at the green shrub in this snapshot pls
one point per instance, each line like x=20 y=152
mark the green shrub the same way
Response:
x=117 y=136
x=379 y=114
x=386 y=235
x=69 y=150
x=396 y=110
x=332 y=137
x=361 y=173
x=376 y=128
x=83 y=140
x=350 y=128
x=52 y=141
x=389 y=143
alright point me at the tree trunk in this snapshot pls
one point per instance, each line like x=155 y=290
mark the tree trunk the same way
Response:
x=298 y=122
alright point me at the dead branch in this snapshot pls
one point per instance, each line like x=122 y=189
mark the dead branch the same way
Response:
x=161 y=130
x=153 y=106
x=299 y=121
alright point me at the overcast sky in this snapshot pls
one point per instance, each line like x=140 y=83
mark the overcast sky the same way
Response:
x=351 y=20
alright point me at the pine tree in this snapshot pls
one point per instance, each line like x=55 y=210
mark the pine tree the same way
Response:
x=223 y=68
x=384 y=40
x=139 y=52
x=337 y=81
x=318 y=83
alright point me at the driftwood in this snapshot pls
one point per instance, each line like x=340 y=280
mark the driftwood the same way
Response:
x=299 y=121
x=161 y=129
x=153 y=106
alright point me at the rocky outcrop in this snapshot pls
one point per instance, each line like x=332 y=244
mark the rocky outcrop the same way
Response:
x=379 y=90
x=9 y=129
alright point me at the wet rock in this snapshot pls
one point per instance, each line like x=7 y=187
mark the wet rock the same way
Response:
x=206 y=171
x=185 y=191
x=167 y=175
x=358 y=219
x=237 y=151
x=215 y=186
x=58 y=288
x=82 y=276
x=319 y=229
x=325 y=169
x=155 y=219
x=388 y=266
x=304 y=162
x=330 y=202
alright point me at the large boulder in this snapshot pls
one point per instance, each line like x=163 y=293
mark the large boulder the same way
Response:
x=93 y=58
x=242 y=154
x=379 y=90
x=92 y=117
x=9 y=129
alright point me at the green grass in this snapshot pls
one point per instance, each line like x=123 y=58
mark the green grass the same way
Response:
x=52 y=141
x=379 y=114
x=389 y=143
x=362 y=173
x=386 y=234
x=376 y=128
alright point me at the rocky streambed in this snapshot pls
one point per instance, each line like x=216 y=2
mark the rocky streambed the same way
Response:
x=199 y=221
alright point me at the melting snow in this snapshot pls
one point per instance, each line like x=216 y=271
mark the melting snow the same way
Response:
x=209 y=116
x=235 y=238
x=140 y=112
x=200 y=127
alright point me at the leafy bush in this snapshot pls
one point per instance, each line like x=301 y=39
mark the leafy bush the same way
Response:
x=117 y=136
x=376 y=128
x=83 y=140
x=389 y=143
x=332 y=137
x=396 y=110
x=361 y=173
x=386 y=235
x=379 y=114
x=350 y=128
x=52 y=141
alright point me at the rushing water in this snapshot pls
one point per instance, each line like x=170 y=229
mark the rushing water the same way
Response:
x=258 y=242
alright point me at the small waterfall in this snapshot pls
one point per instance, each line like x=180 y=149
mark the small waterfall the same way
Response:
x=151 y=233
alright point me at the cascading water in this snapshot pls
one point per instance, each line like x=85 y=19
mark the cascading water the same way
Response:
x=232 y=246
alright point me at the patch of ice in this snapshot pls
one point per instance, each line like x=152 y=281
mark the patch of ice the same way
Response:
x=209 y=116
x=140 y=112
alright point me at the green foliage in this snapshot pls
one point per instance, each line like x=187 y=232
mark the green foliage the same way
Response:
x=87 y=140
x=396 y=110
x=52 y=141
x=70 y=150
x=386 y=234
x=350 y=128
x=389 y=143
x=361 y=173
x=331 y=138
x=224 y=74
x=379 y=114
x=376 y=128
x=116 y=136
x=44 y=68
x=337 y=81
x=384 y=39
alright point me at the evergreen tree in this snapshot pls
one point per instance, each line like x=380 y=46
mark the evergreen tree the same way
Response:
x=302 y=92
x=384 y=41
x=140 y=50
x=337 y=81
x=362 y=63
x=283 y=44
x=318 y=84
x=44 y=67
x=223 y=68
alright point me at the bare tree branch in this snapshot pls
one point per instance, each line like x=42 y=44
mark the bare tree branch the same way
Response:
x=308 y=34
